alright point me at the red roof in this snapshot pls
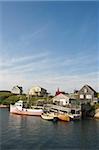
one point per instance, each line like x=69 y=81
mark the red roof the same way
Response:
x=57 y=92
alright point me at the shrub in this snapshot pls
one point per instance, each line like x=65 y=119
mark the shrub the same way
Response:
x=97 y=106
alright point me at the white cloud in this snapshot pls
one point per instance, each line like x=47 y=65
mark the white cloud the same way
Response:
x=43 y=62
x=7 y=61
x=50 y=82
x=43 y=70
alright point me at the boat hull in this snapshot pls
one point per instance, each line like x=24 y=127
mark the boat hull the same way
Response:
x=24 y=111
x=74 y=117
x=3 y=106
x=47 y=117
x=63 y=117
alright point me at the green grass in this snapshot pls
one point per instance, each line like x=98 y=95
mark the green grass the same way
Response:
x=7 y=98
x=97 y=106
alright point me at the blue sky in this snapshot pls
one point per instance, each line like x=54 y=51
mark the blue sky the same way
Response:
x=50 y=44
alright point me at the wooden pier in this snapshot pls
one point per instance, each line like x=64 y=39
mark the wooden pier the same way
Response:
x=67 y=109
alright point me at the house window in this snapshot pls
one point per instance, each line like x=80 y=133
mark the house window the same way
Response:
x=81 y=96
x=88 y=96
x=85 y=90
x=63 y=101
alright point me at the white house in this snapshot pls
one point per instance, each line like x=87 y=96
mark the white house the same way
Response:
x=38 y=91
x=61 y=99
x=17 y=90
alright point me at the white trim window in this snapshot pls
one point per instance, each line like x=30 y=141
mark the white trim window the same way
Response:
x=81 y=96
x=88 y=96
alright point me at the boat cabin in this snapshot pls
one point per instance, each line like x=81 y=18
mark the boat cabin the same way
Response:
x=19 y=104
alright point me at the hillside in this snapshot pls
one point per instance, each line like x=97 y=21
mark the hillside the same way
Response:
x=7 y=98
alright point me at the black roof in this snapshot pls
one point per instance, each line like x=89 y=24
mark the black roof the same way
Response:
x=89 y=88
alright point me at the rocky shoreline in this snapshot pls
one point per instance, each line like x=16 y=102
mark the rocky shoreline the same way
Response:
x=96 y=113
x=3 y=106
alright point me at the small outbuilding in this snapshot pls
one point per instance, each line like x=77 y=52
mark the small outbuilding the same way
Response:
x=61 y=99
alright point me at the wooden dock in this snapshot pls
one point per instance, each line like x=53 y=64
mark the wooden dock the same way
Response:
x=56 y=108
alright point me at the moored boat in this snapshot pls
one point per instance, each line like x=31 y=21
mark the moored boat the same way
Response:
x=63 y=117
x=18 y=109
x=49 y=116
x=74 y=116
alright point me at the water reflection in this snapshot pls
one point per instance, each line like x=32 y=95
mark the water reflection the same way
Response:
x=29 y=132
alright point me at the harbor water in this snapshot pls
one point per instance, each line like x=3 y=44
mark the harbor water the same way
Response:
x=33 y=133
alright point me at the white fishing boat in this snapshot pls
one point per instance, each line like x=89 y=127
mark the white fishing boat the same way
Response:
x=17 y=108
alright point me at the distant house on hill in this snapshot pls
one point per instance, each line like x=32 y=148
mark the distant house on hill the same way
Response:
x=17 y=90
x=38 y=91
x=87 y=94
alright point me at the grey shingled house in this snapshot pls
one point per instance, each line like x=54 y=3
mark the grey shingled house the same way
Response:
x=87 y=94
